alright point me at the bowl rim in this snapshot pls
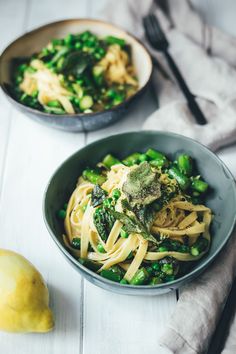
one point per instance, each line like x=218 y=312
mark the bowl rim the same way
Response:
x=77 y=116
x=193 y=273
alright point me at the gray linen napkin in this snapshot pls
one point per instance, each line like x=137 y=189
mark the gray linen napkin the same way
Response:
x=212 y=79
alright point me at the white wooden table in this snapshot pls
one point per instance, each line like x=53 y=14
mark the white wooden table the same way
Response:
x=88 y=320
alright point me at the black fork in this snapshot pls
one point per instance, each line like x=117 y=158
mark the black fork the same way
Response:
x=158 y=40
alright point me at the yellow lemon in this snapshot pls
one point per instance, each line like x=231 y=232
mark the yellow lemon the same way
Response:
x=24 y=296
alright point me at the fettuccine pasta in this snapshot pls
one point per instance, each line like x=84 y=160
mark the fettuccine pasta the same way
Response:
x=131 y=221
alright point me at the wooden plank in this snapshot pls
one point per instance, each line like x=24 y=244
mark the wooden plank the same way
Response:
x=7 y=9
x=44 y=11
x=123 y=324
x=33 y=153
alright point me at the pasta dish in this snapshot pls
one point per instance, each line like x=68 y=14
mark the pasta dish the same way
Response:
x=140 y=220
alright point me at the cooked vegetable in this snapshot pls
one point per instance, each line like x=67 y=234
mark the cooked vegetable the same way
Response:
x=133 y=225
x=185 y=164
x=78 y=73
x=142 y=186
x=141 y=224
x=132 y=159
x=115 y=273
x=182 y=180
x=141 y=277
x=110 y=160
x=98 y=195
x=199 y=185
x=93 y=176
x=199 y=246
x=158 y=159
x=61 y=214
x=103 y=220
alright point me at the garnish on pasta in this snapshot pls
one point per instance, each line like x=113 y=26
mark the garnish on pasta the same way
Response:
x=81 y=73
x=141 y=220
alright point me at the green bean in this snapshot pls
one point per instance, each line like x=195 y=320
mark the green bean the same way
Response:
x=109 y=160
x=199 y=185
x=59 y=55
x=132 y=159
x=54 y=110
x=124 y=234
x=114 y=40
x=199 y=246
x=158 y=157
x=143 y=157
x=93 y=176
x=185 y=164
x=54 y=103
x=98 y=76
x=141 y=277
x=182 y=180
x=124 y=281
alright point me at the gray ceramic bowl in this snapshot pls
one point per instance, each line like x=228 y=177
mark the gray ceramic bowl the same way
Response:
x=222 y=199
x=35 y=40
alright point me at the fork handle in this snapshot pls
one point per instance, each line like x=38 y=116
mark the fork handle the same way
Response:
x=193 y=106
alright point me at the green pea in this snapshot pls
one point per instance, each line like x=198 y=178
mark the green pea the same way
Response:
x=107 y=202
x=124 y=234
x=78 y=45
x=156 y=266
x=199 y=185
x=61 y=214
x=116 y=193
x=54 y=103
x=162 y=249
x=149 y=270
x=65 y=206
x=101 y=248
x=167 y=268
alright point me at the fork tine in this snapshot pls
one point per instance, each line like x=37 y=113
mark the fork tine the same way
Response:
x=154 y=32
